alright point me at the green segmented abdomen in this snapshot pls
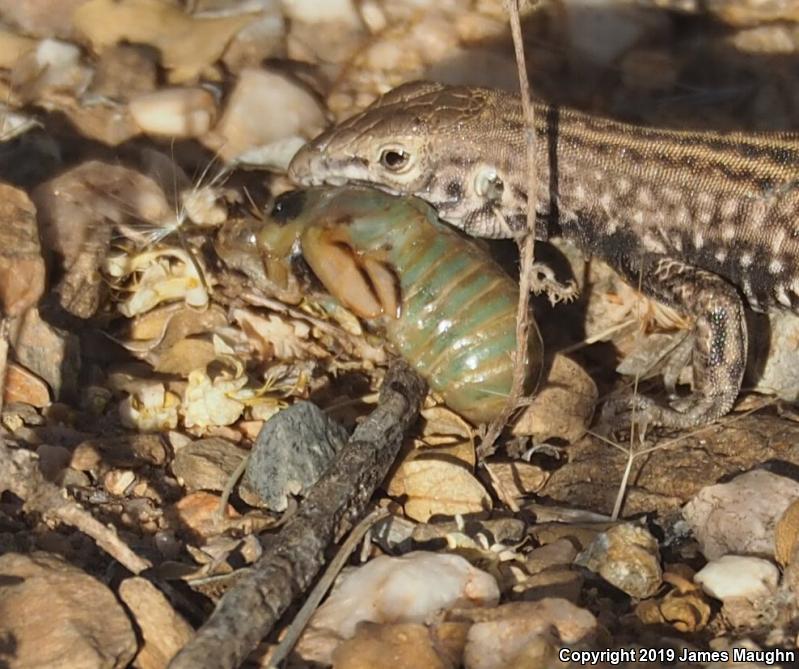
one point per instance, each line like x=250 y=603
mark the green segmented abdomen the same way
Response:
x=457 y=326
x=457 y=317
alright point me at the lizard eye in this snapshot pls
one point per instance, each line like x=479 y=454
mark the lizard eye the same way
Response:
x=488 y=184
x=394 y=159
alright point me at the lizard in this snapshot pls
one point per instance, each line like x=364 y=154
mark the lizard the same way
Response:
x=702 y=221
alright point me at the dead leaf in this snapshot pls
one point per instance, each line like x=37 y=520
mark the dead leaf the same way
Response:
x=431 y=485
x=445 y=428
x=564 y=406
x=167 y=325
x=209 y=402
x=185 y=356
x=518 y=478
x=164 y=275
x=786 y=534
x=275 y=336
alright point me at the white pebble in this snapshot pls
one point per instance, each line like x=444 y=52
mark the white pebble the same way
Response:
x=265 y=107
x=313 y=11
x=738 y=517
x=175 y=112
x=734 y=576
x=404 y=589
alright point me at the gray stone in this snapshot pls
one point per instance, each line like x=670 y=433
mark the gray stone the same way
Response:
x=291 y=452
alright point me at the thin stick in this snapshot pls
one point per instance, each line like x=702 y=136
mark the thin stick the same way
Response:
x=526 y=243
x=4 y=336
x=20 y=474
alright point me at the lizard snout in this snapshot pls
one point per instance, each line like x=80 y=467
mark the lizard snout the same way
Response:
x=305 y=164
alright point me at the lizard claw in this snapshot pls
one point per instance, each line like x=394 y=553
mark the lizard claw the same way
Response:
x=544 y=281
x=628 y=411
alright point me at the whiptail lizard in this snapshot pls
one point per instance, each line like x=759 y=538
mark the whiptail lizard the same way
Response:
x=696 y=219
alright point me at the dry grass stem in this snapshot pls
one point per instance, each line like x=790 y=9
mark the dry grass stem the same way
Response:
x=526 y=244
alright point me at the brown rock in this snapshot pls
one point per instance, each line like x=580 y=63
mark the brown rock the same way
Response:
x=557 y=553
x=59 y=616
x=752 y=12
x=48 y=352
x=117 y=481
x=163 y=629
x=626 y=556
x=124 y=450
x=22 y=270
x=539 y=653
x=77 y=212
x=499 y=634
x=86 y=457
x=518 y=478
x=740 y=516
x=398 y=646
x=124 y=71
x=207 y=464
x=666 y=479
x=40 y=18
x=23 y=385
x=105 y=123
x=263 y=94
x=578 y=535
x=559 y=582
x=563 y=406
x=198 y=514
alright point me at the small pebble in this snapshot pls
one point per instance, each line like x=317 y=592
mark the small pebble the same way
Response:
x=626 y=556
x=117 y=481
x=175 y=112
x=736 y=576
x=292 y=451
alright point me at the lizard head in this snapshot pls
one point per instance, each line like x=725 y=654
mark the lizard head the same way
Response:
x=460 y=149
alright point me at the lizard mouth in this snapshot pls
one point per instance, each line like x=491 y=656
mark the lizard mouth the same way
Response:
x=378 y=186
x=337 y=181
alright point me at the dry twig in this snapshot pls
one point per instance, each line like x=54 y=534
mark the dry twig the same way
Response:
x=20 y=474
x=4 y=327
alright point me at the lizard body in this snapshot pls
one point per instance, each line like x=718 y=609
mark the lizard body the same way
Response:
x=697 y=219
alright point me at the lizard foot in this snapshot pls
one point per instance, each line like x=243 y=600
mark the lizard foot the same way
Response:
x=641 y=412
x=543 y=281
x=716 y=347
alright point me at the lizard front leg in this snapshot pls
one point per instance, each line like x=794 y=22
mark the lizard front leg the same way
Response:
x=719 y=338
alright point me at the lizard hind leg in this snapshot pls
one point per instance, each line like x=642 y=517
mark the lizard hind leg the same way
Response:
x=719 y=343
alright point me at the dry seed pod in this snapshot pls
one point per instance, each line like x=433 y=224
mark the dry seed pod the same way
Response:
x=786 y=534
